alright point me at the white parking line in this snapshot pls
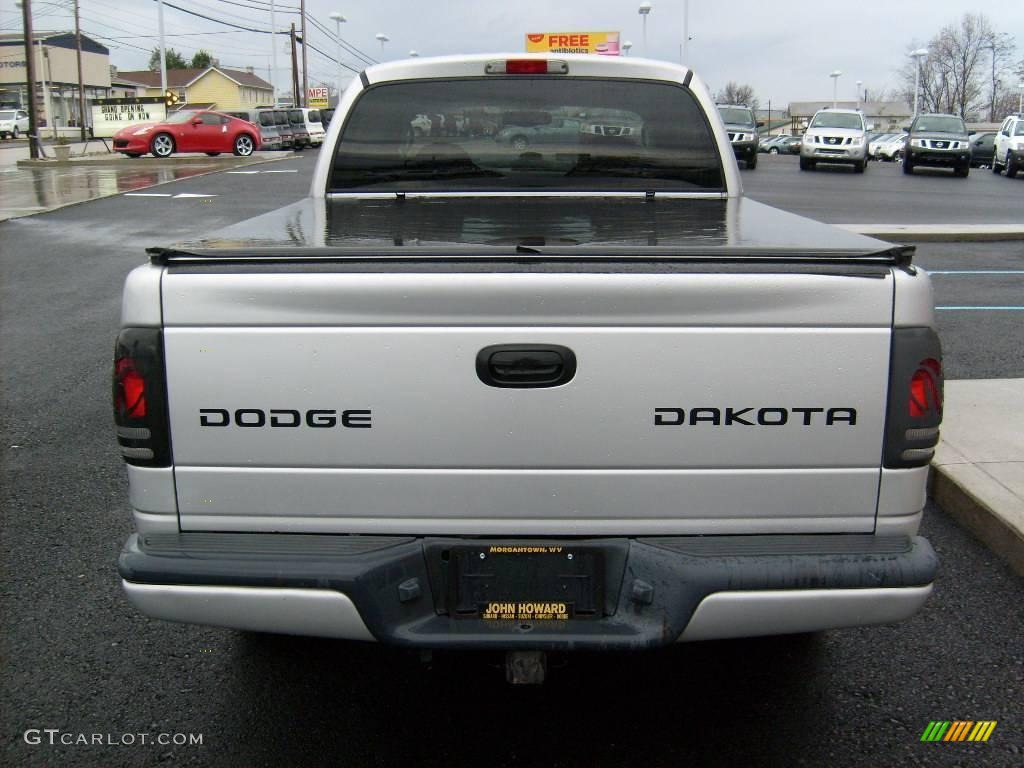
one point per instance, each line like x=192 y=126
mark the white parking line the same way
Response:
x=244 y=173
x=190 y=194
x=148 y=194
x=291 y=170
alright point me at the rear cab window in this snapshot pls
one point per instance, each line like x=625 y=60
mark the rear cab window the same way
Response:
x=504 y=134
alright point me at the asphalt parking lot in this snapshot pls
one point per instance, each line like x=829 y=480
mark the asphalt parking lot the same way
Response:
x=78 y=659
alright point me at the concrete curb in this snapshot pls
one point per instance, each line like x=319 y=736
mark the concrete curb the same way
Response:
x=939 y=233
x=258 y=161
x=964 y=493
x=144 y=163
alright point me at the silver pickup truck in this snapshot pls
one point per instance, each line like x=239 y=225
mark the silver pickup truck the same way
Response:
x=585 y=396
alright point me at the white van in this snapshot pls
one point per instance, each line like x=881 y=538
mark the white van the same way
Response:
x=314 y=126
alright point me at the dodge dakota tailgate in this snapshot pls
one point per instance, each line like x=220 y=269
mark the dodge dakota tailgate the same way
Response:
x=568 y=401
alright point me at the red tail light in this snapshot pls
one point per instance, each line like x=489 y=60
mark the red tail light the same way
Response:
x=914 y=411
x=129 y=390
x=140 y=398
x=925 y=395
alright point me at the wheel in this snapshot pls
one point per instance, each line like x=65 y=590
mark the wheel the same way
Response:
x=213 y=154
x=14 y=134
x=1012 y=165
x=162 y=145
x=995 y=165
x=806 y=165
x=519 y=143
x=859 y=166
x=133 y=154
x=752 y=163
x=244 y=145
x=908 y=167
x=962 y=171
x=773 y=151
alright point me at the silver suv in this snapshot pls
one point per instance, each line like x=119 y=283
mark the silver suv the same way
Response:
x=835 y=136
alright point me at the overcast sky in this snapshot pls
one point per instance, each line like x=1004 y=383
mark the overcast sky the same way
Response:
x=785 y=50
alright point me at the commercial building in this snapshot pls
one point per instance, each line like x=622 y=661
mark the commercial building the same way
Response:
x=56 y=87
x=884 y=115
x=214 y=87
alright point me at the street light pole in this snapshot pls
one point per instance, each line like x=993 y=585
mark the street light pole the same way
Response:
x=859 y=92
x=1020 y=97
x=338 y=21
x=383 y=39
x=30 y=74
x=626 y=46
x=644 y=10
x=686 y=33
x=273 y=52
x=835 y=86
x=917 y=55
x=305 y=60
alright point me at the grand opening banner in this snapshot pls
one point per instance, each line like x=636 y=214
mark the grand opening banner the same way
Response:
x=601 y=43
x=111 y=115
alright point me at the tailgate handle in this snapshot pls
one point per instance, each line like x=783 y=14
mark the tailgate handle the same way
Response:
x=525 y=365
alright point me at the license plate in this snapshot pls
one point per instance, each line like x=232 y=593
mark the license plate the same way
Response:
x=508 y=582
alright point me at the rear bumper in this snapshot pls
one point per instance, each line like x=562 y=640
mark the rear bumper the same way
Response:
x=656 y=590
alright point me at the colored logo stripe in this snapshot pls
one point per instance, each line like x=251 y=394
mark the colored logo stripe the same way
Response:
x=958 y=730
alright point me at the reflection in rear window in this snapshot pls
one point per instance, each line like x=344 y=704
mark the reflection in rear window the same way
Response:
x=536 y=134
x=314 y=115
x=266 y=118
x=295 y=115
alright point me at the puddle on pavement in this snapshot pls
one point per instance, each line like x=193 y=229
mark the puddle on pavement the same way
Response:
x=36 y=189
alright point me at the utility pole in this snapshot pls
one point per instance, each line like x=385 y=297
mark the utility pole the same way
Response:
x=273 y=52
x=163 y=50
x=305 y=60
x=30 y=73
x=295 y=71
x=81 y=86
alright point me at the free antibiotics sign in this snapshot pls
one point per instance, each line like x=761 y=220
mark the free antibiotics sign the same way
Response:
x=601 y=43
x=111 y=115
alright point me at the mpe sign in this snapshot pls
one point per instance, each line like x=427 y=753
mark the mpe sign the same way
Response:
x=111 y=115
x=316 y=98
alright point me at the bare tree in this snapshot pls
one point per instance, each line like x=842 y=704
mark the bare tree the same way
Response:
x=954 y=73
x=735 y=93
x=1001 y=47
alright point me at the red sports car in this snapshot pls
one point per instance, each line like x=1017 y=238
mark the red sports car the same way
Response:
x=190 y=131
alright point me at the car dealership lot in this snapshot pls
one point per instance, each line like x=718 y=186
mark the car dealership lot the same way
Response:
x=78 y=658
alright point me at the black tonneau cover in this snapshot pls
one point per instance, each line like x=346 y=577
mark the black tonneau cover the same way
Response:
x=495 y=228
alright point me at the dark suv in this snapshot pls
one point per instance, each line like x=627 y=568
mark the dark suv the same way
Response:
x=939 y=141
x=741 y=126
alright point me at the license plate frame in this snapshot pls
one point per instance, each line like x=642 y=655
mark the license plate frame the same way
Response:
x=526 y=582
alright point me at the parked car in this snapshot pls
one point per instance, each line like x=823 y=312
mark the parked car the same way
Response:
x=875 y=143
x=741 y=125
x=769 y=146
x=835 y=136
x=1008 y=150
x=270 y=137
x=539 y=129
x=300 y=134
x=200 y=130
x=13 y=123
x=983 y=146
x=937 y=141
x=284 y=127
x=314 y=126
x=326 y=115
x=891 y=150
x=790 y=145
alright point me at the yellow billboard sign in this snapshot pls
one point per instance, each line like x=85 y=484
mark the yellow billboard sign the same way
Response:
x=601 y=43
